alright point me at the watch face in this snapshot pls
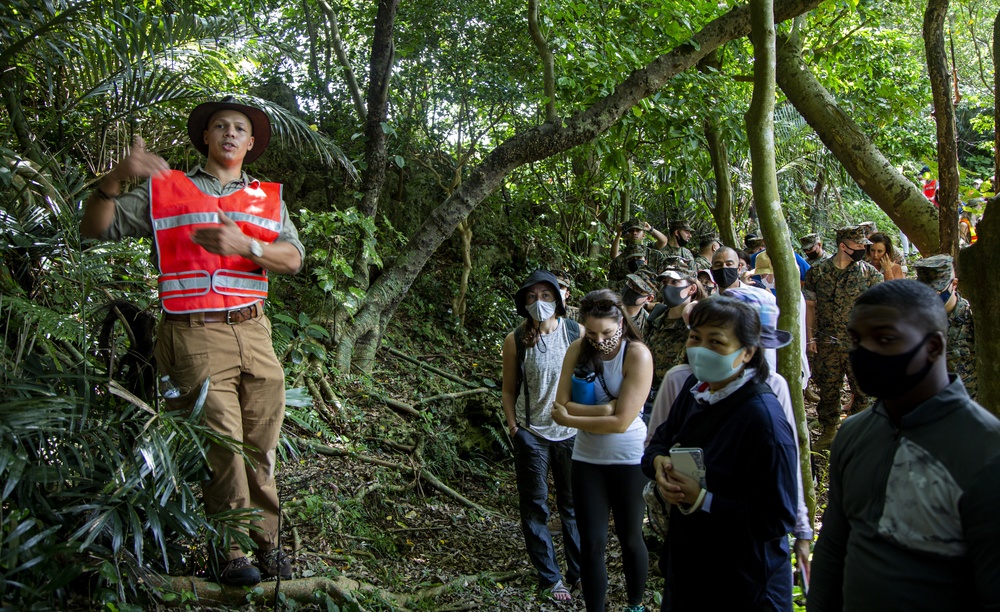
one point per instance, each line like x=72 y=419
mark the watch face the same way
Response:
x=256 y=249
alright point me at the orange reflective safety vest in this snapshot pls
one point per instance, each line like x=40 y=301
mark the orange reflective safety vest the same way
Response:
x=191 y=278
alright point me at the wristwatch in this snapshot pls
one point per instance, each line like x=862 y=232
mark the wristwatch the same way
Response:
x=256 y=249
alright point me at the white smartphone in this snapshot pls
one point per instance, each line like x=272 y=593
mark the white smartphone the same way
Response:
x=690 y=462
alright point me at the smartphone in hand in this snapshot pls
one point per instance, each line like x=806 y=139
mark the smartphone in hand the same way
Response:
x=690 y=462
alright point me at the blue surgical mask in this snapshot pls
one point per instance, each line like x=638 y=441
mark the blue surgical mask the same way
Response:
x=712 y=367
x=540 y=310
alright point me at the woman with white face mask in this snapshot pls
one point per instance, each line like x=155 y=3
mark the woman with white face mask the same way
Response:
x=607 y=479
x=532 y=361
x=730 y=525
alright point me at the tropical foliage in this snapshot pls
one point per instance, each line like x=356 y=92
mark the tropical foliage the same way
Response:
x=99 y=483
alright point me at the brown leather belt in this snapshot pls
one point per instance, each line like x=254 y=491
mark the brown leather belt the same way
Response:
x=229 y=317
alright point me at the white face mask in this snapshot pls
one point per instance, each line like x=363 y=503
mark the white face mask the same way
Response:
x=541 y=311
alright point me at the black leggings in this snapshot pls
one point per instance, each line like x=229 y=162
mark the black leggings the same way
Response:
x=599 y=491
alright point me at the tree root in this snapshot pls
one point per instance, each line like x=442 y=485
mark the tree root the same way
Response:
x=419 y=472
x=303 y=590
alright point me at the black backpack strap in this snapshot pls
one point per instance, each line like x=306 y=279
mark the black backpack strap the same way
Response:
x=521 y=382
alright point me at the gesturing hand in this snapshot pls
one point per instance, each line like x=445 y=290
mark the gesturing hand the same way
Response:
x=224 y=239
x=140 y=163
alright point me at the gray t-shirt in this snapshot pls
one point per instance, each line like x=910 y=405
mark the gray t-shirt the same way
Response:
x=133 y=218
x=542 y=366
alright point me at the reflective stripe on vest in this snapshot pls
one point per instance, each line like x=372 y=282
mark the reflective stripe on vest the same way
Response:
x=191 y=278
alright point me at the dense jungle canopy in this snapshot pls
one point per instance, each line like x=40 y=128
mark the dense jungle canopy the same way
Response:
x=432 y=154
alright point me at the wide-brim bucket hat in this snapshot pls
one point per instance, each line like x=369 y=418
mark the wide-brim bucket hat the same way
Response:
x=198 y=123
x=538 y=276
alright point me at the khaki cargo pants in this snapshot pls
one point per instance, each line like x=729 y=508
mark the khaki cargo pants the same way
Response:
x=246 y=401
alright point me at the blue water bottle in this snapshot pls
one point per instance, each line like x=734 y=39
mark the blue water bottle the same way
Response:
x=583 y=391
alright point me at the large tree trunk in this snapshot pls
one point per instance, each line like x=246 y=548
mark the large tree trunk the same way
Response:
x=764 y=181
x=722 y=211
x=877 y=177
x=977 y=266
x=530 y=145
x=376 y=159
x=944 y=116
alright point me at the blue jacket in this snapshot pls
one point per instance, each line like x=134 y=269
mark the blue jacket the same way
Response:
x=741 y=543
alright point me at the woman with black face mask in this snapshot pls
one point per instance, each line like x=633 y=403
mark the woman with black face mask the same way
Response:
x=666 y=331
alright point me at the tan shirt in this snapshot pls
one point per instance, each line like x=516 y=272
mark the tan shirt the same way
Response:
x=133 y=217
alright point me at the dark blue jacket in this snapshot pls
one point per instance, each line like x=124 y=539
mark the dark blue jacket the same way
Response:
x=741 y=544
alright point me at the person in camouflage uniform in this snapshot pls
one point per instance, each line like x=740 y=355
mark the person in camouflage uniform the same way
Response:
x=666 y=331
x=566 y=287
x=707 y=247
x=812 y=248
x=638 y=292
x=679 y=235
x=831 y=286
x=938 y=273
x=634 y=257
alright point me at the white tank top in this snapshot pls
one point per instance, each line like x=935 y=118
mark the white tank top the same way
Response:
x=614 y=448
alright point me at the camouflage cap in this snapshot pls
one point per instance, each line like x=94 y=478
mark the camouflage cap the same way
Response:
x=680 y=224
x=637 y=283
x=855 y=233
x=672 y=273
x=565 y=280
x=634 y=251
x=708 y=239
x=632 y=224
x=809 y=241
x=935 y=271
x=676 y=261
x=869 y=227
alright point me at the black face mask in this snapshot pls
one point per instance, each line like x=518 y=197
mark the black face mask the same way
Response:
x=724 y=277
x=681 y=241
x=857 y=255
x=634 y=264
x=884 y=376
x=812 y=255
x=672 y=295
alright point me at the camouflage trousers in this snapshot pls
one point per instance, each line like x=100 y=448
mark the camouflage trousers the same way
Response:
x=829 y=367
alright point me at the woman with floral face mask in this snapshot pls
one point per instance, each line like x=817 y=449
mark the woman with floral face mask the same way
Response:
x=606 y=475
x=731 y=525
x=532 y=361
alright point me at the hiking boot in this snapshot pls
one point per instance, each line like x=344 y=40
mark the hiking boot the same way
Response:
x=239 y=572
x=273 y=563
x=810 y=395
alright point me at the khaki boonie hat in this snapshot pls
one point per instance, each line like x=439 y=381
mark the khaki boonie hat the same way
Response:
x=808 y=241
x=855 y=233
x=935 y=271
